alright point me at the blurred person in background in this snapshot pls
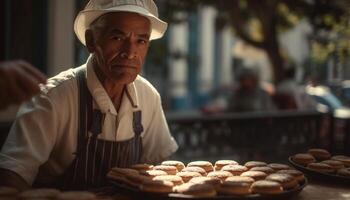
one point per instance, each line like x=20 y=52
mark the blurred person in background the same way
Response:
x=249 y=95
x=19 y=81
x=292 y=96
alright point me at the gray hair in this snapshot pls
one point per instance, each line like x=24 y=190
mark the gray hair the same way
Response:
x=98 y=26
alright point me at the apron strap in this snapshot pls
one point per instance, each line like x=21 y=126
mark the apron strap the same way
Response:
x=85 y=107
x=137 y=123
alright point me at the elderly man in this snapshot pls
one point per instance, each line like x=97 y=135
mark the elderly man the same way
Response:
x=97 y=116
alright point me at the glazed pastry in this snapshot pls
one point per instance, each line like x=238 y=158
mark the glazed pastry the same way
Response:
x=334 y=164
x=343 y=159
x=303 y=159
x=319 y=154
x=344 y=172
x=321 y=167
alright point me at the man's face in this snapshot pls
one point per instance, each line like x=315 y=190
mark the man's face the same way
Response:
x=121 y=46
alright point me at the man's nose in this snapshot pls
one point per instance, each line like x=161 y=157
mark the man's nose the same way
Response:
x=129 y=50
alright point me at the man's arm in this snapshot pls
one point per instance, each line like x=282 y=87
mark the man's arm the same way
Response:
x=19 y=81
x=12 y=179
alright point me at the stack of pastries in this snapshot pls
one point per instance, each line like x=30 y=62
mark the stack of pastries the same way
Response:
x=203 y=179
x=320 y=160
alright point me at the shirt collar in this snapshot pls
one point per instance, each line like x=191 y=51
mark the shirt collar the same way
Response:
x=100 y=95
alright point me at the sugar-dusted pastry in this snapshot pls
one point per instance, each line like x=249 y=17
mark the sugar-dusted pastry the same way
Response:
x=206 y=165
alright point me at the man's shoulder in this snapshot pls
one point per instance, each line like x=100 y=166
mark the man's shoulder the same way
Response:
x=145 y=86
x=65 y=79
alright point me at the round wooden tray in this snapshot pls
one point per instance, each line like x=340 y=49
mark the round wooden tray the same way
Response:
x=137 y=194
x=324 y=177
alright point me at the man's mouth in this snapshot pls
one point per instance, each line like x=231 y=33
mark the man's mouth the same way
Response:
x=123 y=66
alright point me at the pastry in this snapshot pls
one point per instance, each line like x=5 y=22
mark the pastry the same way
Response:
x=319 y=154
x=135 y=180
x=142 y=167
x=196 y=190
x=176 y=180
x=119 y=174
x=303 y=159
x=278 y=166
x=335 y=164
x=157 y=186
x=266 y=170
x=207 y=166
x=186 y=176
x=320 y=167
x=344 y=172
x=195 y=169
x=235 y=170
x=298 y=175
x=251 y=164
x=222 y=175
x=220 y=163
x=216 y=182
x=152 y=173
x=256 y=175
x=171 y=170
x=287 y=181
x=178 y=164
x=343 y=159
x=266 y=187
x=236 y=185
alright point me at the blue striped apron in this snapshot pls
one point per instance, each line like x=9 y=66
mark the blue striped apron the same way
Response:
x=94 y=157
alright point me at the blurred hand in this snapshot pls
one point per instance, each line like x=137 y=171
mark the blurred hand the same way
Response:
x=19 y=81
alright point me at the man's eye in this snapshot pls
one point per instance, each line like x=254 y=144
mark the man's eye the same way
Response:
x=118 y=38
x=143 y=41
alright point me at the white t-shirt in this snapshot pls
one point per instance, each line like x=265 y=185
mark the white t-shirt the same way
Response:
x=43 y=138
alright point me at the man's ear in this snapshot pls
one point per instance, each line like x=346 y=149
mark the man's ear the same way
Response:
x=90 y=41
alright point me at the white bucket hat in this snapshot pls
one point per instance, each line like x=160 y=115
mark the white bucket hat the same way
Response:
x=96 y=8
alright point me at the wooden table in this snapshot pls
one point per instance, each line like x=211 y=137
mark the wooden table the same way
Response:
x=313 y=191
x=317 y=190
